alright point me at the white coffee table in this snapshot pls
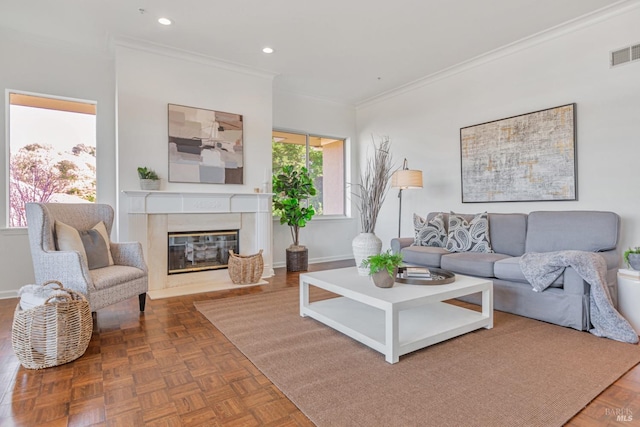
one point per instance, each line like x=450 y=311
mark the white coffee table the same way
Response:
x=397 y=320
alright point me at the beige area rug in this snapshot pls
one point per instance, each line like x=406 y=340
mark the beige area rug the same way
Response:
x=520 y=373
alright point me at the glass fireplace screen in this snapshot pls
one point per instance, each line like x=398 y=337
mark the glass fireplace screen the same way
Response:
x=197 y=251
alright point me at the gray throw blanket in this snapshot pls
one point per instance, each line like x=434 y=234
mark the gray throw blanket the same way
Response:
x=541 y=269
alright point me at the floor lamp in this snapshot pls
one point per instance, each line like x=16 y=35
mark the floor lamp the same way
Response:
x=405 y=179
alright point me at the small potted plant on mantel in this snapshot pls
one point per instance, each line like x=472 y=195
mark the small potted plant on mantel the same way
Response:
x=632 y=257
x=383 y=268
x=149 y=179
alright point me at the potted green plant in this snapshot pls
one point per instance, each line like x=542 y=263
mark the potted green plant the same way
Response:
x=632 y=257
x=149 y=179
x=383 y=268
x=292 y=188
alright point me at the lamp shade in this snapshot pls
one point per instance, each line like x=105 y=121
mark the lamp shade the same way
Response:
x=406 y=178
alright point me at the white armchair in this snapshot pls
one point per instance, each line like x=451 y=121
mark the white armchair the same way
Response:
x=127 y=277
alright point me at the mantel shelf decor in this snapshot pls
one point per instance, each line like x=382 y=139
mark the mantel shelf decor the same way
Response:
x=531 y=157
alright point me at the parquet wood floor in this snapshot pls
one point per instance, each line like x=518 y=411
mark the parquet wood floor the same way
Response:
x=172 y=367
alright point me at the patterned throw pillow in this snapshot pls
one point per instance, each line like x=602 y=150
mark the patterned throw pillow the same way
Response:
x=430 y=233
x=469 y=236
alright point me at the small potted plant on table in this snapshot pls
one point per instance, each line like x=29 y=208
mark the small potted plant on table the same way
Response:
x=632 y=257
x=383 y=268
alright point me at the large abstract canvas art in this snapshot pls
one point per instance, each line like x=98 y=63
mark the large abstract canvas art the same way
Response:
x=205 y=146
x=531 y=157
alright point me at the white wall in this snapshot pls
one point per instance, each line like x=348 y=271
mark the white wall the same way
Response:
x=424 y=122
x=147 y=82
x=327 y=239
x=35 y=65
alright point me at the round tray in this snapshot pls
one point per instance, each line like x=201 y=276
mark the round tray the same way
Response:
x=438 y=277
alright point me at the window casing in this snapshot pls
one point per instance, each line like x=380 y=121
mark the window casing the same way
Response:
x=51 y=152
x=325 y=159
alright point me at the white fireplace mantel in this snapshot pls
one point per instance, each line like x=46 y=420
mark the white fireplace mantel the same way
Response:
x=169 y=202
x=153 y=214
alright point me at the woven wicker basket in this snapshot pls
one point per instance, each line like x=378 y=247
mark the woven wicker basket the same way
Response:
x=245 y=269
x=54 y=333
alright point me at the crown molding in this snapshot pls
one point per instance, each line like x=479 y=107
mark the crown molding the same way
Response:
x=185 y=55
x=560 y=30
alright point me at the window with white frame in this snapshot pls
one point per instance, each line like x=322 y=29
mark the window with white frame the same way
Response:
x=324 y=157
x=52 y=152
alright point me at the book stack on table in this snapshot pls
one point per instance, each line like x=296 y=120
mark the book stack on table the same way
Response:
x=417 y=273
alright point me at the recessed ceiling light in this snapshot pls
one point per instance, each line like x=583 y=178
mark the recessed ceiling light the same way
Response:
x=165 y=21
x=267 y=50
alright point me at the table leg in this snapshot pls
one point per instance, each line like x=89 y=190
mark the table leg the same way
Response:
x=487 y=305
x=304 y=296
x=392 y=339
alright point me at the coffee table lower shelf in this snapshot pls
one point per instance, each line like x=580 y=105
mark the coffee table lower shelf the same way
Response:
x=418 y=327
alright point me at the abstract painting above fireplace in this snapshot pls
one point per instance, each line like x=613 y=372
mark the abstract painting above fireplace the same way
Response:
x=205 y=146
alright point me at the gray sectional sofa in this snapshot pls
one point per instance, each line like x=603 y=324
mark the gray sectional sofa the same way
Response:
x=566 y=302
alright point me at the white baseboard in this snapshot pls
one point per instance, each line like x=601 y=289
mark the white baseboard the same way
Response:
x=9 y=294
x=318 y=260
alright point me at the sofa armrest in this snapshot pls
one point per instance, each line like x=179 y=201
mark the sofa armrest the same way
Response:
x=397 y=243
x=611 y=257
x=67 y=267
x=129 y=254
x=573 y=283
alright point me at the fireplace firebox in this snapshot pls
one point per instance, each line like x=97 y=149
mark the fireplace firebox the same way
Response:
x=203 y=250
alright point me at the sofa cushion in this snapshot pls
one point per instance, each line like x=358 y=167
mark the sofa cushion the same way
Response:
x=430 y=232
x=423 y=255
x=471 y=236
x=591 y=231
x=508 y=233
x=471 y=263
x=509 y=269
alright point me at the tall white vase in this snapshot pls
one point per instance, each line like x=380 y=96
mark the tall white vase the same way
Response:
x=365 y=245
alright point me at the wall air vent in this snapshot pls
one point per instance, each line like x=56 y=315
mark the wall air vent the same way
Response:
x=624 y=55
x=635 y=52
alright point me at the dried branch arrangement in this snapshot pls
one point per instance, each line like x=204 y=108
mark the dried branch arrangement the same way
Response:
x=374 y=184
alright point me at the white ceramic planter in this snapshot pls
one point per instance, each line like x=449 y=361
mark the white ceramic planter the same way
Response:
x=365 y=245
